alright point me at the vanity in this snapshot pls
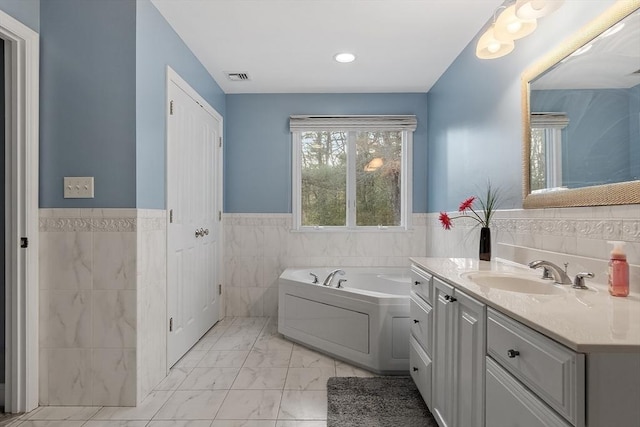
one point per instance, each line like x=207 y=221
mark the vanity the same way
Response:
x=492 y=344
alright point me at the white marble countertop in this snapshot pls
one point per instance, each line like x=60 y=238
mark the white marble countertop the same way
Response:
x=586 y=321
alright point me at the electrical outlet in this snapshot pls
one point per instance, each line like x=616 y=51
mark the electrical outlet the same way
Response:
x=78 y=187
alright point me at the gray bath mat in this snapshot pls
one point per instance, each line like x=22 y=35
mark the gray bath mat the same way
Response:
x=376 y=402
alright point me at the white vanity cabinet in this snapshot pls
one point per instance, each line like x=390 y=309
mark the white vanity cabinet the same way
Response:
x=458 y=357
x=488 y=369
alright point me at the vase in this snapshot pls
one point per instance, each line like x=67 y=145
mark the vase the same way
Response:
x=485 y=244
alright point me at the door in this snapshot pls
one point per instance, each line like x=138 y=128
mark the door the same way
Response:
x=193 y=234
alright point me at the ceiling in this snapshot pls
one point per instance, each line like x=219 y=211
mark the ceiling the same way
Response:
x=287 y=46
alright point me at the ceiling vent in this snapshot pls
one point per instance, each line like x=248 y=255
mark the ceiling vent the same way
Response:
x=238 y=77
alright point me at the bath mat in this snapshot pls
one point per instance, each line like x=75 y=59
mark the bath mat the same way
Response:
x=376 y=402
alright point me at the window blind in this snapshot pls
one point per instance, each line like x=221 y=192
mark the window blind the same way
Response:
x=299 y=123
x=549 y=120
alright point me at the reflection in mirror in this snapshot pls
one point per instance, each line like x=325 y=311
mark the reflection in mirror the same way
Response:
x=583 y=118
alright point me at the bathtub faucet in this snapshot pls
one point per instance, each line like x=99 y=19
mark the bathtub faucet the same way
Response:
x=327 y=281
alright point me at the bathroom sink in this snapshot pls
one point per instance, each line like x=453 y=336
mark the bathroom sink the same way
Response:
x=513 y=283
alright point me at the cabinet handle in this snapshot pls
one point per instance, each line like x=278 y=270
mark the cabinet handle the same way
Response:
x=447 y=297
x=416 y=321
x=415 y=369
x=416 y=283
x=453 y=299
x=513 y=353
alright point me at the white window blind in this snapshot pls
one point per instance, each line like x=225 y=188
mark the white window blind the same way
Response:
x=299 y=123
x=549 y=120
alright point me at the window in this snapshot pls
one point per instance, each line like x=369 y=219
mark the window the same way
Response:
x=546 y=150
x=352 y=171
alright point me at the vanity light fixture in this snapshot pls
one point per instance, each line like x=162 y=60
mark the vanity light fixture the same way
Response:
x=490 y=47
x=345 y=57
x=509 y=27
x=533 y=9
x=375 y=164
x=511 y=24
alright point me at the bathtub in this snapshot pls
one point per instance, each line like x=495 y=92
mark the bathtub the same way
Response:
x=366 y=322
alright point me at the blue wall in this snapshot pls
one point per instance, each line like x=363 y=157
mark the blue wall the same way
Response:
x=596 y=144
x=634 y=131
x=25 y=11
x=158 y=46
x=475 y=124
x=103 y=97
x=258 y=149
x=87 y=100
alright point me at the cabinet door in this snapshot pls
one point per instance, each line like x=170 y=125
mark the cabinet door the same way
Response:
x=442 y=373
x=469 y=349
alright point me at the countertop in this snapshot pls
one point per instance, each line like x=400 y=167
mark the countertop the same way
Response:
x=587 y=321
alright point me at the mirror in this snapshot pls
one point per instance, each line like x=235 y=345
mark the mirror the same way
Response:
x=581 y=117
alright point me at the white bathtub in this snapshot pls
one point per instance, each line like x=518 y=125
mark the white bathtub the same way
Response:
x=366 y=323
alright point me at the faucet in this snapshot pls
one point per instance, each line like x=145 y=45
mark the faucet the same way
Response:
x=558 y=274
x=327 y=281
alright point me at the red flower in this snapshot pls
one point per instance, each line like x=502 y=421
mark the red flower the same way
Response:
x=445 y=220
x=466 y=204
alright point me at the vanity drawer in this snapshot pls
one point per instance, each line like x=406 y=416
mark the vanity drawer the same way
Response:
x=553 y=372
x=420 y=369
x=421 y=322
x=421 y=283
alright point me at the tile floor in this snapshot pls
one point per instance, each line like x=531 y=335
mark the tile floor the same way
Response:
x=240 y=374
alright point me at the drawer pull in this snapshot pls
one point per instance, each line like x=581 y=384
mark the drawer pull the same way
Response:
x=416 y=283
x=416 y=321
x=513 y=353
x=415 y=369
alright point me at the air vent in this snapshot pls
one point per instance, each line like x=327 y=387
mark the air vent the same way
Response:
x=238 y=77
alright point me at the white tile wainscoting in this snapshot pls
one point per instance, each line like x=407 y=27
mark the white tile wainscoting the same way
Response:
x=575 y=235
x=102 y=305
x=258 y=247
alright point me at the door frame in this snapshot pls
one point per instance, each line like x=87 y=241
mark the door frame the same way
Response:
x=22 y=48
x=175 y=78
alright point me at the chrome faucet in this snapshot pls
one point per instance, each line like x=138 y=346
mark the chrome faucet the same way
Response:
x=327 y=281
x=558 y=274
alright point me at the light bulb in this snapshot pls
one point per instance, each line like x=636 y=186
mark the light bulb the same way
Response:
x=493 y=47
x=514 y=27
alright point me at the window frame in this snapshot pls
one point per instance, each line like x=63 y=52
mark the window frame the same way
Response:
x=551 y=126
x=406 y=180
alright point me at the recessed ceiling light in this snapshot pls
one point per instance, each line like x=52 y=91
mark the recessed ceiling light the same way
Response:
x=345 y=57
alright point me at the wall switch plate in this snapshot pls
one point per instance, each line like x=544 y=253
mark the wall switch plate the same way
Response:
x=78 y=187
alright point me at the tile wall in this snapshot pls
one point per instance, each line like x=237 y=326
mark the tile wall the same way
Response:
x=97 y=267
x=258 y=247
x=575 y=235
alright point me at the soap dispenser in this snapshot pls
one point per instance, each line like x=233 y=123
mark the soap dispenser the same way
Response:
x=618 y=271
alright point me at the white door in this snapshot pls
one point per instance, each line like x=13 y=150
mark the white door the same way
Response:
x=193 y=197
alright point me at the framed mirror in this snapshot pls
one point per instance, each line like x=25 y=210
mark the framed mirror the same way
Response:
x=581 y=116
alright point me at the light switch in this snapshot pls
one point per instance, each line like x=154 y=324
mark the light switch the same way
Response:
x=78 y=187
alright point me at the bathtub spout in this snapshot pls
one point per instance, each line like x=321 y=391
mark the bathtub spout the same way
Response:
x=327 y=281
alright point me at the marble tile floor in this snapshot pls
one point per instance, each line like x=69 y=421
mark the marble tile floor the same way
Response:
x=241 y=373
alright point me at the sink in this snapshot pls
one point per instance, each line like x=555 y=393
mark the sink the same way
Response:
x=513 y=283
